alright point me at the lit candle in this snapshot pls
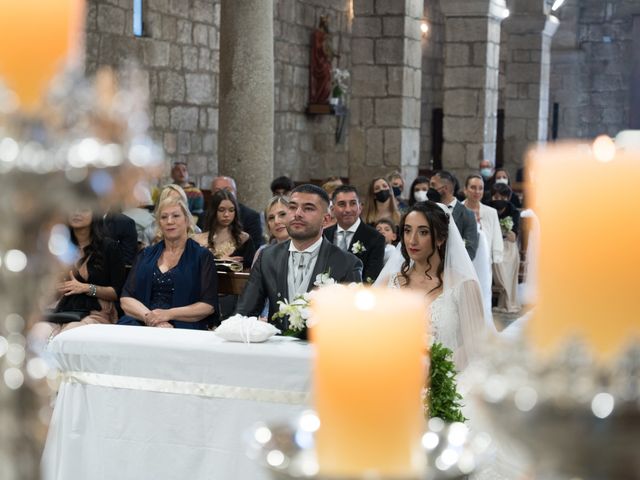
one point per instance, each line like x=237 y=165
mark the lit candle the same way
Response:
x=369 y=373
x=586 y=200
x=36 y=36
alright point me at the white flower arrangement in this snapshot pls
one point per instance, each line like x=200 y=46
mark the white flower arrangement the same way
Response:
x=340 y=80
x=357 y=248
x=506 y=224
x=298 y=309
x=323 y=279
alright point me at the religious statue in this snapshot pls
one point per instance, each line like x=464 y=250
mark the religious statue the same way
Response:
x=320 y=64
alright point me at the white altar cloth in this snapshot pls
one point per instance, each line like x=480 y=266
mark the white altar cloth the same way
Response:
x=149 y=403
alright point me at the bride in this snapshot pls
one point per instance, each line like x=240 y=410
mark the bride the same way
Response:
x=432 y=259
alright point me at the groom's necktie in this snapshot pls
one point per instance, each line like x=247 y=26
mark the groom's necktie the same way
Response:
x=300 y=264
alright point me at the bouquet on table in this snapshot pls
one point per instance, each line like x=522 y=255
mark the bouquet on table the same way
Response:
x=298 y=308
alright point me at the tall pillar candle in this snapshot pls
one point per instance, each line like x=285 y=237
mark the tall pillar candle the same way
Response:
x=586 y=201
x=36 y=36
x=368 y=377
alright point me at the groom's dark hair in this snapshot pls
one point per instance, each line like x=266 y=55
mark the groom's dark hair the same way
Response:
x=313 y=189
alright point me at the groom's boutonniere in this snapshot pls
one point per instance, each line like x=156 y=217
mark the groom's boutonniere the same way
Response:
x=324 y=279
x=357 y=248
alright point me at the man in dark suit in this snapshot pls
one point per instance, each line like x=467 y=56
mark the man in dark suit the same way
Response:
x=443 y=182
x=122 y=230
x=290 y=268
x=353 y=235
x=249 y=218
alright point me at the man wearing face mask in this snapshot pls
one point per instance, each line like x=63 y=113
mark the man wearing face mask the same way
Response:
x=485 y=168
x=397 y=185
x=443 y=182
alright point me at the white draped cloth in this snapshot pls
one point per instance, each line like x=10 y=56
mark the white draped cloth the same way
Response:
x=164 y=404
x=482 y=264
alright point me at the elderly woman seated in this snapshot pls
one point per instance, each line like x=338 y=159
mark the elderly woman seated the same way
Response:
x=174 y=282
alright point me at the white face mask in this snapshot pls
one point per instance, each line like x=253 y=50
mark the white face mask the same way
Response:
x=502 y=180
x=420 y=195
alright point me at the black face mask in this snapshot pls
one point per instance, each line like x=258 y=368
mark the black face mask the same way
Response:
x=502 y=206
x=382 y=196
x=397 y=191
x=434 y=195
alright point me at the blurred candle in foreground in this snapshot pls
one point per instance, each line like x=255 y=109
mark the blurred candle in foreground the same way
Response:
x=369 y=373
x=586 y=199
x=36 y=36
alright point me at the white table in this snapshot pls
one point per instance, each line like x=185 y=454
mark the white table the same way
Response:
x=148 y=403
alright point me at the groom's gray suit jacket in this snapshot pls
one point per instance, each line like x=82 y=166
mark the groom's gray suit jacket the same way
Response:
x=268 y=279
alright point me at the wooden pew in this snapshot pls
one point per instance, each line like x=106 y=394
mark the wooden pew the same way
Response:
x=232 y=283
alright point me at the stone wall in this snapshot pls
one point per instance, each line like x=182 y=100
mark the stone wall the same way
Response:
x=179 y=54
x=305 y=145
x=591 y=67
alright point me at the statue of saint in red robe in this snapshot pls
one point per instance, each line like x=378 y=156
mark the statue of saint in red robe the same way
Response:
x=320 y=64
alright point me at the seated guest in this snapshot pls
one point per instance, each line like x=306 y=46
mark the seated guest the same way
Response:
x=380 y=203
x=92 y=288
x=276 y=214
x=282 y=186
x=505 y=273
x=331 y=184
x=168 y=191
x=501 y=175
x=419 y=191
x=445 y=185
x=249 y=218
x=388 y=230
x=142 y=216
x=224 y=236
x=397 y=185
x=195 y=199
x=122 y=230
x=290 y=268
x=353 y=235
x=174 y=282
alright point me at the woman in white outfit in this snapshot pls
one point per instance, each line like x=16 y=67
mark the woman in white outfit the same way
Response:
x=432 y=259
x=490 y=246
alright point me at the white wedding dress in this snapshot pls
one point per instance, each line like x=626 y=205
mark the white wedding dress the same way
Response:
x=444 y=321
x=457 y=315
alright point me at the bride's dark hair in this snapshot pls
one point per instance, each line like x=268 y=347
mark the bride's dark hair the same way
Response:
x=438 y=222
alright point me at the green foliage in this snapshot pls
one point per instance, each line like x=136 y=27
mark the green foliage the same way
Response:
x=442 y=399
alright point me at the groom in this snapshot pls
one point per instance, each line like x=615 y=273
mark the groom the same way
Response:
x=287 y=269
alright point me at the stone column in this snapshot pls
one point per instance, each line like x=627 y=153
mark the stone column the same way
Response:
x=385 y=102
x=472 y=52
x=245 y=135
x=526 y=109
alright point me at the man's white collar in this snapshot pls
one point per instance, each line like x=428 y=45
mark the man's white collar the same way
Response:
x=310 y=249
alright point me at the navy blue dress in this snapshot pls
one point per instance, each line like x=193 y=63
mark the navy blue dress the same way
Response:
x=193 y=279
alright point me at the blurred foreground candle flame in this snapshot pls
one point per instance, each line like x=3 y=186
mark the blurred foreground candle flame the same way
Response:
x=36 y=38
x=585 y=200
x=369 y=373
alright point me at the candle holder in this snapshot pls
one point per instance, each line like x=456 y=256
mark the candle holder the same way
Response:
x=577 y=418
x=287 y=450
x=88 y=145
